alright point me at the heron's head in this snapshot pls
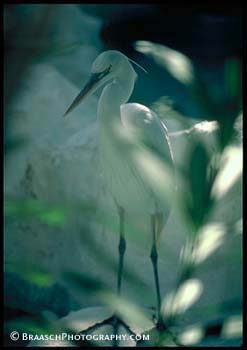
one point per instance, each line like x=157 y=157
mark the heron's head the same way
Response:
x=110 y=62
x=107 y=66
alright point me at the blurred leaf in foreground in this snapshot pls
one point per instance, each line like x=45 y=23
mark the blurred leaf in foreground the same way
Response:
x=231 y=167
x=31 y=273
x=131 y=314
x=198 y=201
x=177 y=64
x=53 y=215
x=182 y=298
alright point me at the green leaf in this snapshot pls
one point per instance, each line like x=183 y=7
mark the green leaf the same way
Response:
x=199 y=201
x=53 y=215
x=232 y=72
x=30 y=273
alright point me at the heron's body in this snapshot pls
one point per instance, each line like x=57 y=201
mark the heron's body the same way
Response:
x=135 y=153
x=119 y=153
x=128 y=131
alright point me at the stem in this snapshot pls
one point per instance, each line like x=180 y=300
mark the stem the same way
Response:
x=154 y=259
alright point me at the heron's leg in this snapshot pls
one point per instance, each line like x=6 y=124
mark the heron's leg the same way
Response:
x=154 y=259
x=121 y=248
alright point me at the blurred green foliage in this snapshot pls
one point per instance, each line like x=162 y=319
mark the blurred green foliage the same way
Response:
x=196 y=180
x=199 y=186
x=30 y=208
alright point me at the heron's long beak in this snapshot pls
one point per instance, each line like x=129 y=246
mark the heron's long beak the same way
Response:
x=91 y=86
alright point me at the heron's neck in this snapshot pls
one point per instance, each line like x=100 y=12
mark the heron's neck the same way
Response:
x=113 y=96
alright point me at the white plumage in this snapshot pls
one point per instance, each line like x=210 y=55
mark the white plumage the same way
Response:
x=134 y=148
x=137 y=142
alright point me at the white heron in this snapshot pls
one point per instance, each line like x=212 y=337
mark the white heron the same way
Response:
x=134 y=150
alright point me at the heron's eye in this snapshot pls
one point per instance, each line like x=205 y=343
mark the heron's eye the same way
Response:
x=109 y=68
x=103 y=73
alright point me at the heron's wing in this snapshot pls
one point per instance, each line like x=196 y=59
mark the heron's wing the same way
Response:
x=148 y=128
x=150 y=133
